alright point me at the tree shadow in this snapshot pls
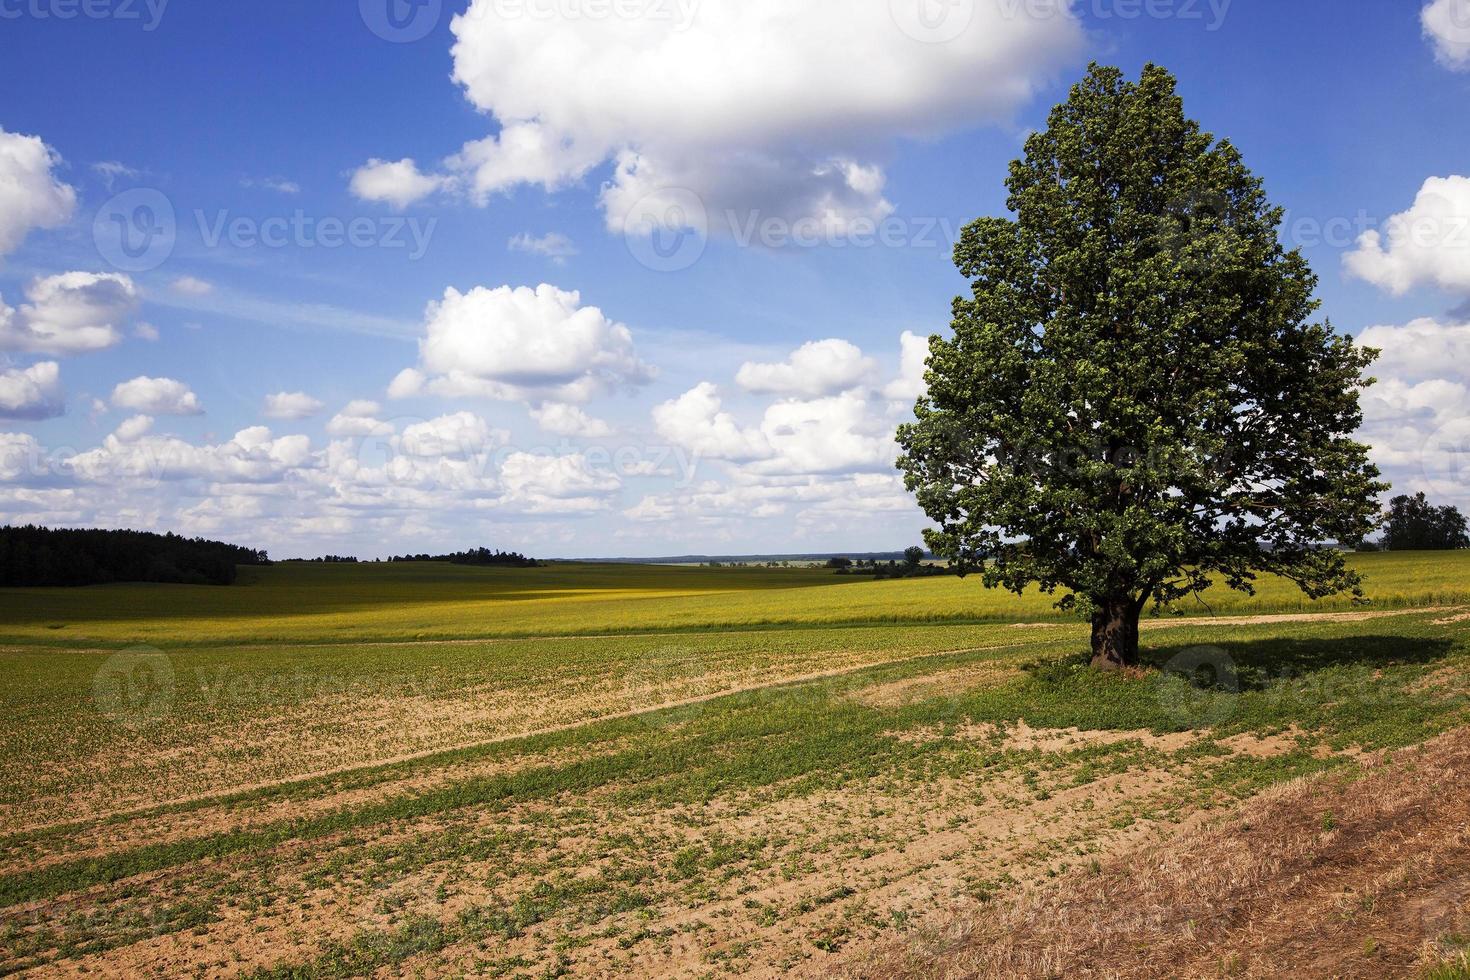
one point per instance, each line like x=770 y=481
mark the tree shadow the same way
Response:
x=1256 y=664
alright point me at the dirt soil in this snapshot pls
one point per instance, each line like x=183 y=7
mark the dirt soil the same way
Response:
x=1324 y=877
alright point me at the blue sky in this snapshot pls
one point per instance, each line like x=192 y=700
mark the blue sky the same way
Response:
x=657 y=410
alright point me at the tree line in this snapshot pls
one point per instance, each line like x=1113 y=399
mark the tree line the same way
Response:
x=475 y=556
x=38 y=556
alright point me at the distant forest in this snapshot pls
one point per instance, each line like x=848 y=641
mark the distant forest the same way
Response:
x=35 y=556
x=475 y=556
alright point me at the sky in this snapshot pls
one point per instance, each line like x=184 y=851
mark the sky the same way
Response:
x=624 y=277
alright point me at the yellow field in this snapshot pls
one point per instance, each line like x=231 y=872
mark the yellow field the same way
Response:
x=328 y=603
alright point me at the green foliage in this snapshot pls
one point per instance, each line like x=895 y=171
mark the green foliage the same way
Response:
x=1136 y=399
x=1414 y=524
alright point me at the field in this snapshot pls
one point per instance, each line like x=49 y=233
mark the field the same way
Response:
x=424 y=770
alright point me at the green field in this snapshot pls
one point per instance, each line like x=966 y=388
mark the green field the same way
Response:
x=303 y=603
x=427 y=770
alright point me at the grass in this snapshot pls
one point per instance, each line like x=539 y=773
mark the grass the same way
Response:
x=652 y=792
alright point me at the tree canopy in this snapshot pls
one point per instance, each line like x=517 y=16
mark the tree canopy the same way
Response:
x=1414 y=524
x=1136 y=400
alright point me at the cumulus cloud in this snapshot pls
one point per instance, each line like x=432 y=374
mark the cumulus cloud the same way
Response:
x=521 y=344
x=1417 y=418
x=696 y=421
x=757 y=105
x=823 y=367
x=1420 y=349
x=845 y=433
x=1447 y=25
x=909 y=386
x=569 y=420
x=30 y=195
x=291 y=406
x=251 y=456
x=71 y=313
x=33 y=393
x=462 y=434
x=397 y=184
x=359 y=418
x=556 y=484
x=156 y=396
x=133 y=428
x=1427 y=245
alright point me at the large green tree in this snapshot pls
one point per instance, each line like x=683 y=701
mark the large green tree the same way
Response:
x=1136 y=400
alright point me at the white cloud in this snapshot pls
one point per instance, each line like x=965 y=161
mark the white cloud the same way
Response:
x=1447 y=24
x=72 y=313
x=291 y=406
x=1428 y=245
x=1417 y=418
x=145 y=331
x=398 y=184
x=1419 y=350
x=556 y=484
x=407 y=383
x=33 y=393
x=251 y=456
x=156 y=396
x=522 y=345
x=359 y=418
x=823 y=367
x=553 y=245
x=133 y=428
x=697 y=422
x=756 y=105
x=463 y=434
x=909 y=386
x=190 y=286
x=30 y=195
x=569 y=420
x=845 y=433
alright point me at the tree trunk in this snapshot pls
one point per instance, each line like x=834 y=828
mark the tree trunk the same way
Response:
x=1115 y=633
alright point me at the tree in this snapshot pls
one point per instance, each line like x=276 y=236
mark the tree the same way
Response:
x=1135 y=399
x=1414 y=524
x=913 y=557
